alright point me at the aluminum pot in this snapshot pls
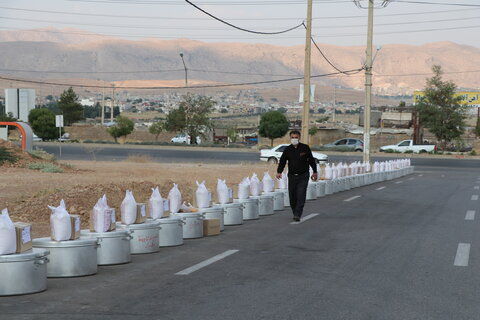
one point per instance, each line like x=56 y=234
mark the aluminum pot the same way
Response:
x=215 y=212
x=250 y=208
x=113 y=246
x=170 y=232
x=23 y=273
x=193 y=224
x=278 y=201
x=144 y=236
x=286 y=197
x=265 y=205
x=71 y=258
x=311 y=191
x=233 y=213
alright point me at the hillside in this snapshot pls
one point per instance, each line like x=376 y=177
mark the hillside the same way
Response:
x=398 y=68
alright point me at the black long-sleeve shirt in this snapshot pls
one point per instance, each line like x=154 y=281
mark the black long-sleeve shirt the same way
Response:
x=298 y=159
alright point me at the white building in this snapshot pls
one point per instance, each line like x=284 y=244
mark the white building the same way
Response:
x=19 y=102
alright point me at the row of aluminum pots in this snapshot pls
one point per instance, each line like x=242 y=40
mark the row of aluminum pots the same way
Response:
x=321 y=188
x=27 y=272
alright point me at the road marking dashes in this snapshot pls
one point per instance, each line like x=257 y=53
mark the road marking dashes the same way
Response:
x=398 y=182
x=462 y=256
x=205 y=263
x=420 y=175
x=475 y=197
x=470 y=215
x=310 y=216
x=381 y=188
x=411 y=178
x=352 y=198
x=476 y=188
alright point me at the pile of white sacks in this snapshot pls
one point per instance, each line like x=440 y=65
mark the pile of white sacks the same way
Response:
x=342 y=176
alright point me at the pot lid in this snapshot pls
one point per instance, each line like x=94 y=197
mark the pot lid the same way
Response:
x=47 y=242
x=110 y=234
x=229 y=205
x=215 y=209
x=169 y=220
x=263 y=196
x=189 y=214
x=246 y=200
x=31 y=254
x=149 y=224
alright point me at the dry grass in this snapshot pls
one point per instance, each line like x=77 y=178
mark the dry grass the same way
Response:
x=27 y=193
x=139 y=158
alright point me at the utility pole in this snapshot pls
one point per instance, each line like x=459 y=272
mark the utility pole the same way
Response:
x=368 y=84
x=306 y=76
x=334 y=103
x=113 y=104
x=103 y=106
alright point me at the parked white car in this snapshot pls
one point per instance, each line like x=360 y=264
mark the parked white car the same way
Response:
x=273 y=155
x=184 y=138
x=407 y=145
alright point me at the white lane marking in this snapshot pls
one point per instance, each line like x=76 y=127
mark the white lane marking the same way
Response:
x=411 y=178
x=398 y=182
x=443 y=176
x=470 y=215
x=476 y=188
x=475 y=197
x=462 y=256
x=420 y=175
x=381 y=188
x=352 y=198
x=205 y=263
x=310 y=216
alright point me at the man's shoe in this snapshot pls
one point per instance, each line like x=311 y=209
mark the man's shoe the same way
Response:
x=296 y=218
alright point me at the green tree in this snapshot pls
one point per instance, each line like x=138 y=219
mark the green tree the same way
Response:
x=93 y=111
x=7 y=117
x=282 y=109
x=273 y=125
x=312 y=131
x=477 y=128
x=192 y=116
x=232 y=133
x=42 y=122
x=175 y=121
x=440 y=110
x=224 y=110
x=156 y=129
x=69 y=106
x=323 y=119
x=123 y=128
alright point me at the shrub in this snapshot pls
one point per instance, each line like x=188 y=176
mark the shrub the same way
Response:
x=41 y=154
x=409 y=151
x=473 y=153
x=45 y=167
x=7 y=156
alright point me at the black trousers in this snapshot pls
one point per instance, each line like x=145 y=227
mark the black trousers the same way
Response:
x=297 y=190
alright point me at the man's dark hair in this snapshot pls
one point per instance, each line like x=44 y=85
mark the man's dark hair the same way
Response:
x=295 y=132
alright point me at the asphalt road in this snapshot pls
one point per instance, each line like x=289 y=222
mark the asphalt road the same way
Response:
x=389 y=252
x=191 y=154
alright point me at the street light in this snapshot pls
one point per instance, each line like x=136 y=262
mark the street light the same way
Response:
x=368 y=74
x=185 y=67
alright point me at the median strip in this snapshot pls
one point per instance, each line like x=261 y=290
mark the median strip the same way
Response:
x=205 y=263
x=310 y=216
x=470 y=215
x=462 y=256
x=352 y=198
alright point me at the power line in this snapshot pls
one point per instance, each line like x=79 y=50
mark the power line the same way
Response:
x=165 y=87
x=440 y=3
x=239 y=28
x=229 y=3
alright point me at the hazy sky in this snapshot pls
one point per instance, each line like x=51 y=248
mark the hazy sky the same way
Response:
x=337 y=22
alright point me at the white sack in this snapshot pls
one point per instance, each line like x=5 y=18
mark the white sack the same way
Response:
x=202 y=195
x=8 y=237
x=101 y=216
x=155 y=204
x=60 y=223
x=222 y=192
x=255 y=186
x=268 y=183
x=175 y=199
x=283 y=182
x=244 y=189
x=128 y=208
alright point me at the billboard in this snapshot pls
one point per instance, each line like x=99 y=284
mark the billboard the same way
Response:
x=470 y=98
x=19 y=102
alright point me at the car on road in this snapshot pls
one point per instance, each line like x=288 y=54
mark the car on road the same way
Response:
x=409 y=146
x=184 y=138
x=36 y=138
x=345 y=143
x=65 y=137
x=273 y=155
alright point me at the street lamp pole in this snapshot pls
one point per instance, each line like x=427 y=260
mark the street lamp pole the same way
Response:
x=185 y=67
x=368 y=84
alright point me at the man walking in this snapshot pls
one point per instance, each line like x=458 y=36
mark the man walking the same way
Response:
x=299 y=157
